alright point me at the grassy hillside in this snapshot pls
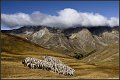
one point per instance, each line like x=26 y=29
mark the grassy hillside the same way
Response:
x=15 y=49
x=109 y=56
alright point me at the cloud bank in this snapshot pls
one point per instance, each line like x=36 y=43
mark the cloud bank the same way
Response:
x=66 y=18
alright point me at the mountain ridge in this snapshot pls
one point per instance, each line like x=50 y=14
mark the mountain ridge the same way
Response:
x=71 y=40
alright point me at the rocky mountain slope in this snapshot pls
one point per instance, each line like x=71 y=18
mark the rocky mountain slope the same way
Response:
x=71 y=40
x=98 y=45
x=14 y=49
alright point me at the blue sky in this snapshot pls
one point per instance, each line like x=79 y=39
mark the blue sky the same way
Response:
x=105 y=8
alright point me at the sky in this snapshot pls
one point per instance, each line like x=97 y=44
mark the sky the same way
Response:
x=56 y=10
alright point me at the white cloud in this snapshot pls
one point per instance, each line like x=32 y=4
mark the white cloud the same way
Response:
x=113 y=21
x=15 y=19
x=66 y=18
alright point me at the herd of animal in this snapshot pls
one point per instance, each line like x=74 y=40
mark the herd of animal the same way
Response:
x=48 y=63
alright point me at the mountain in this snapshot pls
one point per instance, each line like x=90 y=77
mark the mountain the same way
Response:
x=71 y=40
x=14 y=49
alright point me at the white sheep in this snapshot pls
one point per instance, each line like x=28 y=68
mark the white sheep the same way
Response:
x=49 y=63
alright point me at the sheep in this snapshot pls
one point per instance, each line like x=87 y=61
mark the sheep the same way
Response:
x=32 y=66
x=39 y=64
x=25 y=61
x=51 y=59
x=48 y=63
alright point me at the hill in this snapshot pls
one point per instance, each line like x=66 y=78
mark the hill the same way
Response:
x=15 y=49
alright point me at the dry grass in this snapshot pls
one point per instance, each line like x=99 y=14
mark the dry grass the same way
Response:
x=14 y=50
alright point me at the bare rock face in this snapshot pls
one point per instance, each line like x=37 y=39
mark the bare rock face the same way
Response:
x=41 y=37
x=79 y=39
x=82 y=39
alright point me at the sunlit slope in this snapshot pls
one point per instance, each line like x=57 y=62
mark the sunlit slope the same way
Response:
x=19 y=46
x=109 y=56
x=15 y=49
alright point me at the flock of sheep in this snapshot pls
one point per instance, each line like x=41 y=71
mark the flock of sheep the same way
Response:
x=48 y=63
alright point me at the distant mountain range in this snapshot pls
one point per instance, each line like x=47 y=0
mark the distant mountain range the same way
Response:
x=98 y=45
